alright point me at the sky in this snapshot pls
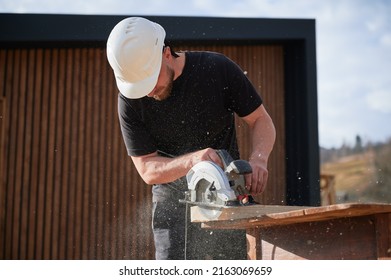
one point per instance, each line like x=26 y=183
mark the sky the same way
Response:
x=353 y=40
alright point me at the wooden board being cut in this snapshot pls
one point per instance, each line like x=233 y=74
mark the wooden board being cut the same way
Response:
x=267 y=215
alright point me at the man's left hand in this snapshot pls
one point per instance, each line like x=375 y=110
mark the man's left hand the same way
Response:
x=256 y=181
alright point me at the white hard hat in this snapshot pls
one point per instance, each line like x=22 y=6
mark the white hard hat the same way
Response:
x=134 y=51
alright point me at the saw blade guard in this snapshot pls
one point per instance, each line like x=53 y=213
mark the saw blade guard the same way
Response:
x=211 y=177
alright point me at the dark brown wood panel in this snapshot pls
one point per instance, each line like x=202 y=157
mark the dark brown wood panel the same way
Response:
x=69 y=189
x=2 y=183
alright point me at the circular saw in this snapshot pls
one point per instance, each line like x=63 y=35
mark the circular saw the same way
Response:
x=212 y=188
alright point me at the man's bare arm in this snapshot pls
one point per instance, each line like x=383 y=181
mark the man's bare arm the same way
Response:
x=156 y=169
x=263 y=135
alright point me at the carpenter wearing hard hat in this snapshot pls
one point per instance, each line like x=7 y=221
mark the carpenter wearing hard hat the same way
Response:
x=175 y=110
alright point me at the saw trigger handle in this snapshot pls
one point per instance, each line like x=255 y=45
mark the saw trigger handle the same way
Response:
x=239 y=167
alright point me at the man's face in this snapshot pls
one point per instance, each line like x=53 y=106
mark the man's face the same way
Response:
x=164 y=83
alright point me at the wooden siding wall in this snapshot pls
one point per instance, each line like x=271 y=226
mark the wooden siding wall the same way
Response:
x=68 y=190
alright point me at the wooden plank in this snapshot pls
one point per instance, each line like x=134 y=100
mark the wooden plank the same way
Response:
x=58 y=212
x=19 y=86
x=51 y=212
x=26 y=84
x=62 y=137
x=44 y=225
x=66 y=135
x=95 y=183
x=246 y=212
x=34 y=158
x=10 y=152
x=2 y=160
x=266 y=215
x=3 y=121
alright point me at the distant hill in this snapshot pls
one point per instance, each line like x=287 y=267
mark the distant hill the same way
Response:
x=353 y=174
x=361 y=175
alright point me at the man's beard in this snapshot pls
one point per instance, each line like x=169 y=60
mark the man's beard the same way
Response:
x=163 y=92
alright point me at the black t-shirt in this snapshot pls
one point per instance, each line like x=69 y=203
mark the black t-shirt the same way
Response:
x=198 y=114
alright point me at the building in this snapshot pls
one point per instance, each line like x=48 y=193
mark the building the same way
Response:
x=68 y=189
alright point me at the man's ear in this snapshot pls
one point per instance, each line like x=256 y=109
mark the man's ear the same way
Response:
x=167 y=52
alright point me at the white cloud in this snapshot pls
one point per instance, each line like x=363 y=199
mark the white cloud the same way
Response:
x=380 y=101
x=385 y=40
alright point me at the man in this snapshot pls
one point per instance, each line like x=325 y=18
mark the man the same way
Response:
x=175 y=109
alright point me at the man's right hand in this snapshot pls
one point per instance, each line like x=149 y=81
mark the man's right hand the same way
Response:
x=207 y=154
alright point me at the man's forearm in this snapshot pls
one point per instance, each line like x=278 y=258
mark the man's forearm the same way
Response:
x=263 y=135
x=156 y=169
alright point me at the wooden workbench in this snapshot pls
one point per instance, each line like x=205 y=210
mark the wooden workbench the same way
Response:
x=340 y=231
